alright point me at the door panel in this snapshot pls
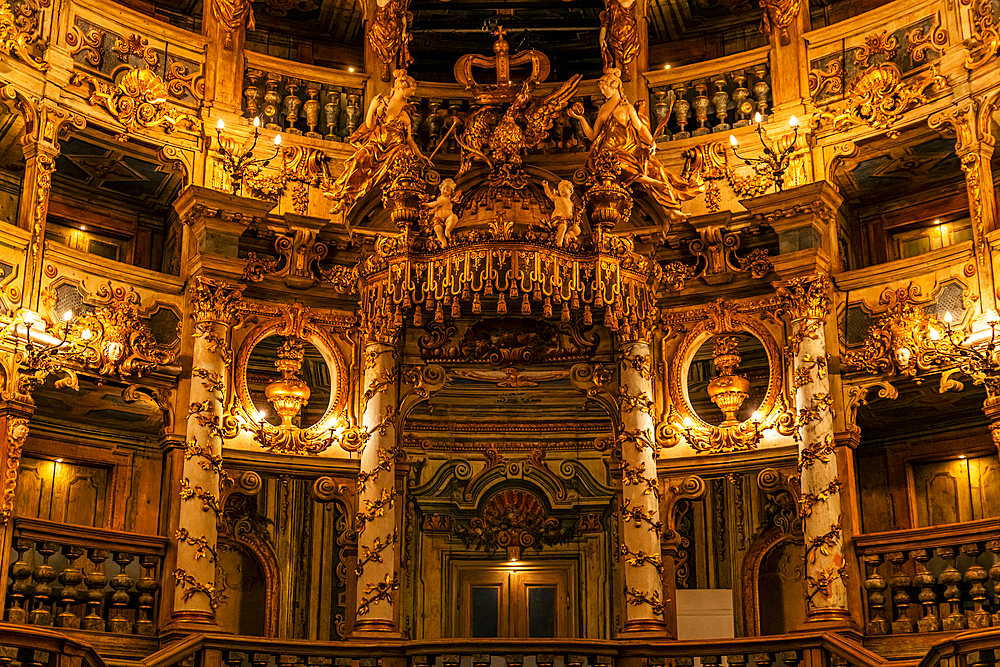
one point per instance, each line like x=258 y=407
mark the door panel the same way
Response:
x=522 y=601
x=60 y=491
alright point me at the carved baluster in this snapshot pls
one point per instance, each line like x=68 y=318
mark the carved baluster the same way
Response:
x=994 y=546
x=925 y=581
x=43 y=575
x=121 y=583
x=147 y=587
x=737 y=660
x=96 y=580
x=434 y=122
x=744 y=108
x=292 y=105
x=661 y=112
x=451 y=660
x=900 y=582
x=332 y=112
x=712 y=660
x=763 y=659
x=480 y=660
x=71 y=577
x=30 y=657
x=353 y=113
x=370 y=662
x=575 y=660
x=981 y=658
x=701 y=108
x=260 y=659
x=681 y=108
x=342 y=662
x=252 y=92
x=975 y=575
x=287 y=661
x=787 y=658
x=721 y=101
x=654 y=661
x=311 y=109
x=271 y=100
x=20 y=572
x=684 y=661
x=544 y=660
x=951 y=577
x=8 y=654
x=234 y=658
x=760 y=89
x=514 y=660
x=603 y=661
x=875 y=585
x=838 y=661
x=421 y=661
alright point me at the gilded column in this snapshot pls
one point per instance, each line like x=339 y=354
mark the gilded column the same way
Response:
x=786 y=21
x=378 y=533
x=14 y=416
x=807 y=301
x=213 y=307
x=641 y=527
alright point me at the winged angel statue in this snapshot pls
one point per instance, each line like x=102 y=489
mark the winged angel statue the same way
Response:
x=499 y=138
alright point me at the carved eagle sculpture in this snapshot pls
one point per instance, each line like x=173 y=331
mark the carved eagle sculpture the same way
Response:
x=500 y=140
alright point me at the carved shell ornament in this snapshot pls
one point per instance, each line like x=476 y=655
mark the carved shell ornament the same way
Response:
x=139 y=100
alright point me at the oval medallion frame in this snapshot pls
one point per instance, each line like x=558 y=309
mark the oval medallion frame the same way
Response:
x=312 y=439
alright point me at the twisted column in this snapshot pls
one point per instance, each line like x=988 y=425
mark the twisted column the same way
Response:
x=640 y=507
x=213 y=306
x=378 y=534
x=807 y=301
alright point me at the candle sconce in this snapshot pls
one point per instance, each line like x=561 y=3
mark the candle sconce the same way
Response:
x=238 y=159
x=774 y=161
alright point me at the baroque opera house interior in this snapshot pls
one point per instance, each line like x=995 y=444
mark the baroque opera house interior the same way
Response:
x=499 y=333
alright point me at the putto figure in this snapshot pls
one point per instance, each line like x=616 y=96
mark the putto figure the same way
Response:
x=388 y=36
x=563 y=217
x=442 y=209
x=623 y=146
x=619 y=36
x=384 y=146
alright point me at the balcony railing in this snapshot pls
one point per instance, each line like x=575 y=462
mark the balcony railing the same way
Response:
x=22 y=646
x=59 y=576
x=784 y=651
x=932 y=579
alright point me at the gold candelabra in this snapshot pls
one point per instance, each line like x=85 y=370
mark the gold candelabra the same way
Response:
x=977 y=355
x=238 y=160
x=772 y=162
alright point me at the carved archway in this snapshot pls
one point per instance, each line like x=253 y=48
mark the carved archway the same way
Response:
x=243 y=529
x=766 y=543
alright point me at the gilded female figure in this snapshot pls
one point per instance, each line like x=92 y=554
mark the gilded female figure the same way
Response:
x=622 y=148
x=384 y=145
x=619 y=36
x=388 y=35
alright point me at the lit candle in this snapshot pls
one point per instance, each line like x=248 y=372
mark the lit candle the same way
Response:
x=991 y=317
x=256 y=121
x=67 y=316
x=948 y=318
x=221 y=125
x=277 y=140
x=757 y=118
x=793 y=121
x=732 y=140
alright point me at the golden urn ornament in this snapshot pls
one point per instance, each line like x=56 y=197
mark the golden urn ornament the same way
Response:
x=728 y=390
x=290 y=393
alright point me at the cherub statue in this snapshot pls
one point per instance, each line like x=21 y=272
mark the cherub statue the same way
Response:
x=384 y=146
x=623 y=148
x=444 y=218
x=563 y=218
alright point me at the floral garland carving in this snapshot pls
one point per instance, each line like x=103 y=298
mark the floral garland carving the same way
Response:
x=17 y=433
x=377 y=593
x=373 y=554
x=819 y=451
x=637 y=517
x=640 y=558
x=209 y=501
x=809 y=500
x=823 y=544
x=635 y=597
x=192 y=586
x=203 y=548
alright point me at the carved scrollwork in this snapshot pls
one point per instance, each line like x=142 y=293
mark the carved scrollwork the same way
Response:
x=91 y=42
x=18 y=32
x=138 y=101
x=878 y=97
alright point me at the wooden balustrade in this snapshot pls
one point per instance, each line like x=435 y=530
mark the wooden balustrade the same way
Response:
x=59 y=577
x=23 y=646
x=714 y=96
x=301 y=99
x=803 y=650
x=932 y=579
